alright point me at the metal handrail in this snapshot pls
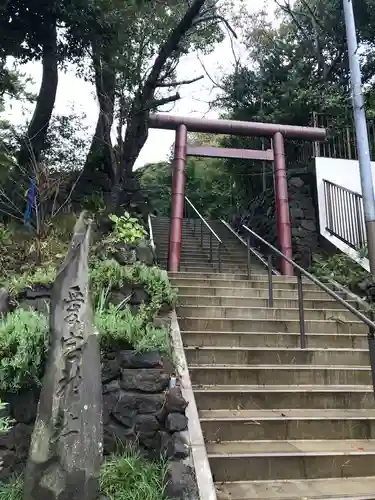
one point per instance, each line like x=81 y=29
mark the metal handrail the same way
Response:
x=252 y=250
x=150 y=231
x=355 y=193
x=345 y=216
x=326 y=289
x=312 y=278
x=203 y=220
x=211 y=232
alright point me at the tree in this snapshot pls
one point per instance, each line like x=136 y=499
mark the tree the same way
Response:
x=29 y=32
x=133 y=72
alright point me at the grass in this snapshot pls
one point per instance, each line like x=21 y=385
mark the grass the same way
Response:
x=131 y=477
x=124 y=477
x=119 y=327
x=38 y=276
x=23 y=336
x=109 y=274
x=12 y=490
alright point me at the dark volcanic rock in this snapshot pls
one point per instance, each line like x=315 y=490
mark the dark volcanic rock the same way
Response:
x=175 y=402
x=132 y=359
x=23 y=405
x=146 y=426
x=152 y=380
x=4 y=301
x=139 y=403
x=176 y=422
x=110 y=370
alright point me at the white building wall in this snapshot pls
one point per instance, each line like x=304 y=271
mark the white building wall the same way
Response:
x=344 y=173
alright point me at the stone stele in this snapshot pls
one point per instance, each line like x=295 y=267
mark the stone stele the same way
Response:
x=67 y=443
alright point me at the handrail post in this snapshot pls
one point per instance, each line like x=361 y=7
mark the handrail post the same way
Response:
x=211 y=248
x=301 y=311
x=248 y=257
x=201 y=234
x=270 y=284
x=371 y=348
x=219 y=256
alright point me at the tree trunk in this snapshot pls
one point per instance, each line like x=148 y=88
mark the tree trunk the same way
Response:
x=137 y=123
x=100 y=168
x=101 y=157
x=34 y=141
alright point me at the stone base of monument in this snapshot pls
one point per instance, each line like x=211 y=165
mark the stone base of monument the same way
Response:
x=138 y=407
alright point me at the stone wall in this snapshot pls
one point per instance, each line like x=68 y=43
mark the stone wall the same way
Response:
x=142 y=404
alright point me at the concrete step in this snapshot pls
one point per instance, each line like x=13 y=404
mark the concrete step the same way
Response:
x=279 y=340
x=209 y=275
x=267 y=397
x=277 y=460
x=203 y=268
x=186 y=311
x=253 y=301
x=292 y=374
x=354 y=488
x=267 y=355
x=286 y=424
x=255 y=282
x=193 y=323
x=214 y=267
x=204 y=290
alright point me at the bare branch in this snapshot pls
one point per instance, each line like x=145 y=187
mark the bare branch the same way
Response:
x=165 y=100
x=216 y=84
x=177 y=84
x=215 y=17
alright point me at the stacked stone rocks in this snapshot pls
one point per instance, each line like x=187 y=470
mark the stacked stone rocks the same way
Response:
x=139 y=407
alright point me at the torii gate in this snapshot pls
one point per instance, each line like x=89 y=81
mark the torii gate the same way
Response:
x=183 y=124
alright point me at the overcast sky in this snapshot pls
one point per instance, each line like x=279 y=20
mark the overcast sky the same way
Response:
x=73 y=92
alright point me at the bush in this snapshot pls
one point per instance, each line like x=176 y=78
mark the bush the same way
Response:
x=131 y=477
x=127 y=229
x=23 y=344
x=120 y=327
x=109 y=274
x=39 y=276
x=342 y=269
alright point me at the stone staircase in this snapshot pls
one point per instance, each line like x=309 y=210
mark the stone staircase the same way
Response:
x=279 y=422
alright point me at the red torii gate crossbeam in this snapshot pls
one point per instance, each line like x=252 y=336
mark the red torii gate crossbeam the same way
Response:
x=183 y=124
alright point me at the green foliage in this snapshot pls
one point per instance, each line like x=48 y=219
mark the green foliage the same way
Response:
x=127 y=229
x=5 y=235
x=5 y=422
x=121 y=327
x=126 y=476
x=23 y=336
x=131 y=477
x=363 y=253
x=342 y=269
x=38 y=276
x=94 y=202
x=13 y=490
x=108 y=274
x=208 y=185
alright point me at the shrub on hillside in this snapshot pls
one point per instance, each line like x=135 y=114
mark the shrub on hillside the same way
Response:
x=108 y=274
x=121 y=328
x=342 y=269
x=23 y=344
